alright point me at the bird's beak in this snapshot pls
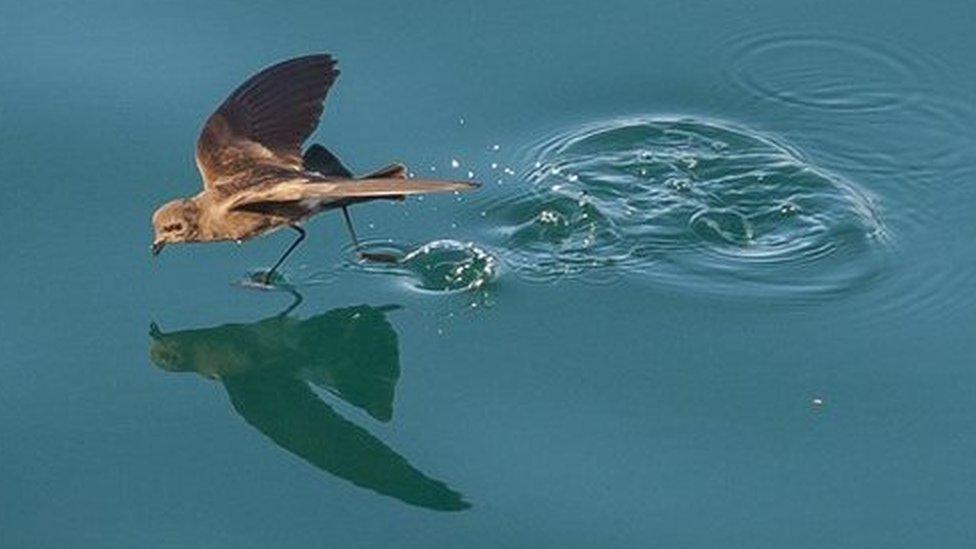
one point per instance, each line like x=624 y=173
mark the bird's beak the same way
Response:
x=157 y=247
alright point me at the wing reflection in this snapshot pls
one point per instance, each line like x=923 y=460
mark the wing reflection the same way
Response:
x=267 y=368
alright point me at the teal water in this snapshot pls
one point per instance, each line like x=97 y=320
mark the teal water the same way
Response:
x=716 y=289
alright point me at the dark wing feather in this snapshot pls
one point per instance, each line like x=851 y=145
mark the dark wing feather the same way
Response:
x=319 y=159
x=266 y=119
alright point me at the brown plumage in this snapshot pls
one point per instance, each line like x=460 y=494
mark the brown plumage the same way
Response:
x=255 y=178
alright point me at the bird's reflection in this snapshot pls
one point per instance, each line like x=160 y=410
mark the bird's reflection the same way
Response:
x=267 y=368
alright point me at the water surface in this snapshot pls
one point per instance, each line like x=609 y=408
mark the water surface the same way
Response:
x=716 y=289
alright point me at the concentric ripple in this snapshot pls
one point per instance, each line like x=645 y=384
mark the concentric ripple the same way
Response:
x=439 y=266
x=825 y=72
x=689 y=203
x=867 y=107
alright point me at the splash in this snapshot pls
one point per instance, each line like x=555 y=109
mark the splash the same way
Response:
x=689 y=203
x=441 y=266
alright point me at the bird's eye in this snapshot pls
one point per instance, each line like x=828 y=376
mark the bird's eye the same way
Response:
x=173 y=227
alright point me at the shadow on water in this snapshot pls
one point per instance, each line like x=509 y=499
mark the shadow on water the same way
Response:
x=268 y=368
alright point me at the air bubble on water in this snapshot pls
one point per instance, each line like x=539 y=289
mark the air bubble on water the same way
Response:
x=509 y=171
x=455 y=163
x=470 y=174
x=495 y=147
x=548 y=217
x=461 y=120
x=573 y=177
x=678 y=183
x=433 y=168
x=494 y=165
x=788 y=209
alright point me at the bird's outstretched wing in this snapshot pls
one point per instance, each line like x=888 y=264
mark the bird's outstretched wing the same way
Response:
x=269 y=197
x=266 y=120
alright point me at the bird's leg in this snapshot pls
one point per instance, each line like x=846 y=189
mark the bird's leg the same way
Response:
x=301 y=236
x=352 y=232
x=382 y=258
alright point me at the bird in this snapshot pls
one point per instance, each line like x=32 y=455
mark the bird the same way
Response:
x=257 y=180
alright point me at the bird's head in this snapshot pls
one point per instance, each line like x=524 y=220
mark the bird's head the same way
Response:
x=175 y=221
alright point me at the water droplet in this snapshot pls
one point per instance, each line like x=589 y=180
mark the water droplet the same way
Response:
x=678 y=183
x=788 y=209
x=549 y=216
